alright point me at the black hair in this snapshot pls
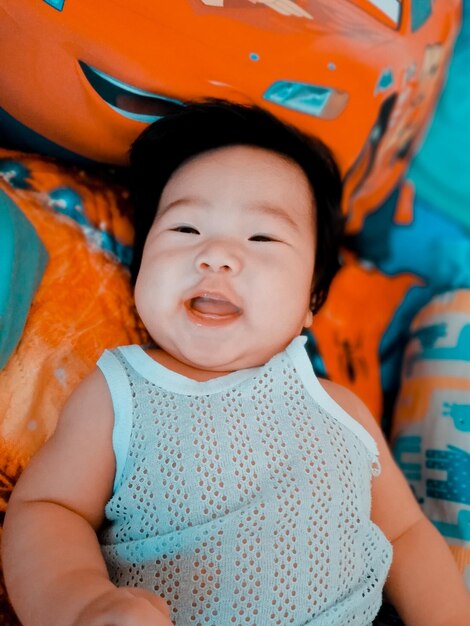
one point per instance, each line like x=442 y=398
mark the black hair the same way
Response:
x=210 y=124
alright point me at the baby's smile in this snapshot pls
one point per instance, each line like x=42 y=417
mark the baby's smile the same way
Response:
x=212 y=309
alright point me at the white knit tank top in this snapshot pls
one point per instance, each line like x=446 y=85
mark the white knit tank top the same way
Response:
x=243 y=500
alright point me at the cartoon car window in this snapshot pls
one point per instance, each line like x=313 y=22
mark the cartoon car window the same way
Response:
x=391 y=8
x=284 y=7
x=420 y=13
x=388 y=11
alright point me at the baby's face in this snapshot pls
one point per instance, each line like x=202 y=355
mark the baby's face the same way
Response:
x=227 y=266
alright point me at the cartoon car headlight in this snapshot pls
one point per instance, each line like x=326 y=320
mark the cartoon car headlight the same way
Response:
x=322 y=102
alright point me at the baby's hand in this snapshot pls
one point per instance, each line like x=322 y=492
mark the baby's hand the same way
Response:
x=126 y=606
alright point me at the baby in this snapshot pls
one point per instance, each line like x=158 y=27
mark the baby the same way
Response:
x=213 y=479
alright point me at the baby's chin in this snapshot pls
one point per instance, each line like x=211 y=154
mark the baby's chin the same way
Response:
x=218 y=363
x=209 y=357
x=219 y=367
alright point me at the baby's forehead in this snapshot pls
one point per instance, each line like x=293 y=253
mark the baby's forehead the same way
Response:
x=247 y=171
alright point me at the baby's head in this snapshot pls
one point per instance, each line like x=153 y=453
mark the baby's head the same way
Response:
x=238 y=223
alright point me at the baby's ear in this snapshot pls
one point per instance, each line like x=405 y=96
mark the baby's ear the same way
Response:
x=308 y=319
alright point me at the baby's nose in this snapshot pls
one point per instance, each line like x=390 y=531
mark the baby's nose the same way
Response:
x=218 y=258
x=214 y=267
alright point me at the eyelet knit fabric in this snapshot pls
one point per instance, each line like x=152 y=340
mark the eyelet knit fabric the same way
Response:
x=243 y=500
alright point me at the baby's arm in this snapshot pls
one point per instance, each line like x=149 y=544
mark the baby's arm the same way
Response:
x=424 y=583
x=54 y=570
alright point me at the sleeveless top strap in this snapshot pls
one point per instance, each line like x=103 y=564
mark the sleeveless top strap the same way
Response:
x=121 y=396
x=303 y=365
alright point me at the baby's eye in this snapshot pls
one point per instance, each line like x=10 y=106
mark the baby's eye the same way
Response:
x=261 y=238
x=186 y=229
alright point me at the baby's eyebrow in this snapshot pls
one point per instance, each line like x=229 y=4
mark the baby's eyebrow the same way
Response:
x=264 y=208
x=187 y=200
x=275 y=211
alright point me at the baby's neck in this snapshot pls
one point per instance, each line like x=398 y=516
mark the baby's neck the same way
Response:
x=184 y=369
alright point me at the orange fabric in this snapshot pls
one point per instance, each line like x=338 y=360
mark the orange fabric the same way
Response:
x=348 y=334
x=83 y=305
x=404 y=210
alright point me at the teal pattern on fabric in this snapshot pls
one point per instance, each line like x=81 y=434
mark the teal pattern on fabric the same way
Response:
x=23 y=259
x=16 y=173
x=460 y=530
x=244 y=499
x=405 y=446
x=433 y=448
x=429 y=245
x=428 y=335
x=458 y=351
x=459 y=414
x=67 y=201
x=440 y=169
x=455 y=462
x=56 y=4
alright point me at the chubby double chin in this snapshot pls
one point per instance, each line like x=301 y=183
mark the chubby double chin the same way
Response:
x=213 y=326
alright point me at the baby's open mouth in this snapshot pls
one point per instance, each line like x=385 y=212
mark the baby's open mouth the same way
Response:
x=216 y=308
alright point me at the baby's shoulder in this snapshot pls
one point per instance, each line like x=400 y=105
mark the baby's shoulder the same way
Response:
x=350 y=403
x=90 y=397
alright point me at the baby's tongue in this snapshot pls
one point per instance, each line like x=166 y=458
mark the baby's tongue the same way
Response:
x=213 y=306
